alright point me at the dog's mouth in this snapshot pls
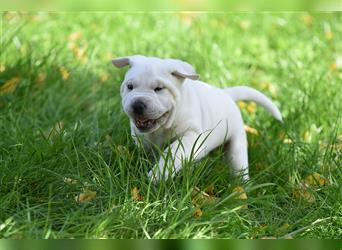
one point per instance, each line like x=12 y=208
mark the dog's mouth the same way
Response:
x=147 y=124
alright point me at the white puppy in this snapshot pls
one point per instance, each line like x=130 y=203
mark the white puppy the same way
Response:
x=166 y=102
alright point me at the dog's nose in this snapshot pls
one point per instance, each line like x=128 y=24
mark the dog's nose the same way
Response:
x=138 y=107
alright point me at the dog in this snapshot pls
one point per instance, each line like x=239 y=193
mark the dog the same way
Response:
x=166 y=103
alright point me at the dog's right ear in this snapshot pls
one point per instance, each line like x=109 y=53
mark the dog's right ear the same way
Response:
x=121 y=62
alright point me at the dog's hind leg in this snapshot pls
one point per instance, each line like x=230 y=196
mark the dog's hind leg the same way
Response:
x=237 y=155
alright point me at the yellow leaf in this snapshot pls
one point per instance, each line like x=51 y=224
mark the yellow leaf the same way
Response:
x=282 y=229
x=75 y=36
x=245 y=24
x=242 y=104
x=104 y=77
x=241 y=191
x=301 y=192
x=307 y=19
x=316 y=179
x=251 y=107
x=270 y=87
x=41 y=78
x=287 y=141
x=64 y=72
x=329 y=35
x=2 y=67
x=86 y=196
x=198 y=212
x=135 y=194
x=10 y=85
x=199 y=197
x=251 y=130
x=69 y=181
x=307 y=136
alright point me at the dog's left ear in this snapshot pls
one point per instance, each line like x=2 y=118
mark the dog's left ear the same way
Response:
x=183 y=70
x=121 y=62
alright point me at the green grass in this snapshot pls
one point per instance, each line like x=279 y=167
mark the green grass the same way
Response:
x=53 y=128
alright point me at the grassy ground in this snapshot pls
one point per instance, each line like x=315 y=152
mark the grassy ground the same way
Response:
x=64 y=135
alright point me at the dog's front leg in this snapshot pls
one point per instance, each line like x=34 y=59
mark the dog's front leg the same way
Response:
x=181 y=150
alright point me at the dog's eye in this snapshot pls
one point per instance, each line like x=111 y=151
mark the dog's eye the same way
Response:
x=130 y=86
x=158 y=89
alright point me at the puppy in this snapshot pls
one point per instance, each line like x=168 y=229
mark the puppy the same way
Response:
x=166 y=102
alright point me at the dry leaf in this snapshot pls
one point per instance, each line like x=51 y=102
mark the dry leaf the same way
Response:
x=2 y=67
x=64 y=72
x=270 y=87
x=241 y=190
x=69 y=181
x=75 y=36
x=245 y=24
x=301 y=192
x=10 y=85
x=316 y=179
x=210 y=190
x=40 y=78
x=251 y=107
x=198 y=212
x=283 y=229
x=200 y=198
x=86 y=196
x=242 y=104
x=287 y=141
x=104 y=77
x=329 y=35
x=307 y=19
x=135 y=194
x=251 y=130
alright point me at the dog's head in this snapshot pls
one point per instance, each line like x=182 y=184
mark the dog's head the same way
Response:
x=151 y=89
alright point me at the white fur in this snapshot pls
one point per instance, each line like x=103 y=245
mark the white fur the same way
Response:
x=196 y=112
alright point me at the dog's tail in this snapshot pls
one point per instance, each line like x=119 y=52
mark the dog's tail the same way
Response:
x=240 y=93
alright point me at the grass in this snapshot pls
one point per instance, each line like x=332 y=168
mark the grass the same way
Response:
x=63 y=131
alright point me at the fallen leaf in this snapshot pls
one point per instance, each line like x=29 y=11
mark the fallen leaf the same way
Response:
x=40 y=78
x=69 y=181
x=10 y=85
x=270 y=87
x=64 y=72
x=259 y=166
x=200 y=198
x=301 y=192
x=316 y=179
x=135 y=194
x=210 y=190
x=241 y=191
x=283 y=229
x=245 y=24
x=251 y=107
x=307 y=19
x=2 y=67
x=329 y=35
x=85 y=196
x=198 y=212
x=242 y=104
x=104 y=77
x=251 y=130
x=75 y=36
x=287 y=140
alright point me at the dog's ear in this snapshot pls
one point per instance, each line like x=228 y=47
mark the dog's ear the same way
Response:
x=183 y=70
x=192 y=76
x=121 y=62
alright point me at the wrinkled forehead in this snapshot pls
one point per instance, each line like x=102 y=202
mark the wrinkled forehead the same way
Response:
x=147 y=71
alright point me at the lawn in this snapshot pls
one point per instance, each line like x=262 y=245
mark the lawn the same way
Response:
x=69 y=169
